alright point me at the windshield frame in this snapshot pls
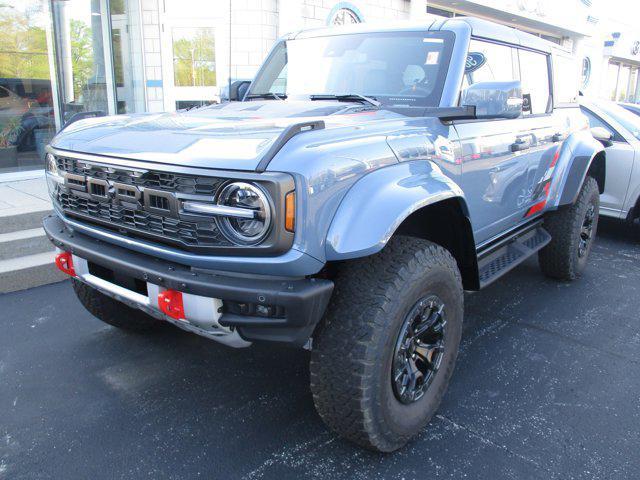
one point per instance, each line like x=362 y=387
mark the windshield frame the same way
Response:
x=434 y=99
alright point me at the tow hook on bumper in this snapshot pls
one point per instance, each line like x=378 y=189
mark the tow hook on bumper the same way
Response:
x=232 y=310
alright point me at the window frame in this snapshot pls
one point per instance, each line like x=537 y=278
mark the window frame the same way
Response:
x=515 y=48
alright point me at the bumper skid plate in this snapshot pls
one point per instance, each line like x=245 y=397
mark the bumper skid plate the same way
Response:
x=301 y=302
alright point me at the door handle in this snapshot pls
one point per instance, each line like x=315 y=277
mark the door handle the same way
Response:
x=558 y=137
x=520 y=145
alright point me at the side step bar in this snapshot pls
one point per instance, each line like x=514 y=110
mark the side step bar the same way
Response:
x=511 y=254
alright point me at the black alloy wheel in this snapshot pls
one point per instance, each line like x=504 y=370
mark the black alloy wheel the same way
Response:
x=586 y=232
x=419 y=349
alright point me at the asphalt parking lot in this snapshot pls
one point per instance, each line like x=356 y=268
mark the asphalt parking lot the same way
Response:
x=547 y=386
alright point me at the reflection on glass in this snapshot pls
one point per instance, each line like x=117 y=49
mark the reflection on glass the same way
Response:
x=81 y=60
x=623 y=82
x=194 y=59
x=633 y=86
x=612 y=79
x=127 y=59
x=26 y=104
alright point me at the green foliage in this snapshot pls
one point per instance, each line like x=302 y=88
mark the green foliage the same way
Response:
x=23 y=44
x=194 y=59
x=81 y=55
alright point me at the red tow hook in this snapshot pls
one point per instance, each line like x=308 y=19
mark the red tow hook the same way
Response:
x=170 y=302
x=64 y=262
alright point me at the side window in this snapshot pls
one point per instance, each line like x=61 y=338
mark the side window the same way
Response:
x=489 y=62
x=534 y=75
x=565 y=79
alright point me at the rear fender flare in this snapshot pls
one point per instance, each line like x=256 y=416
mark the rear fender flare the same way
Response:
x=577 y=154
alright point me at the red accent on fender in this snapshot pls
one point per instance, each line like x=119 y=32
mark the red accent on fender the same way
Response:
x=170 y=302
x=64 y=262
x=536 y=208
x=555 y=159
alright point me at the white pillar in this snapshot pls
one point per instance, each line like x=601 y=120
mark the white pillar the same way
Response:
x=290 y=16
x=418 y=10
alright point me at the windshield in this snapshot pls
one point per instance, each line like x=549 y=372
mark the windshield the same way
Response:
x=628 y=120
x=401 y=69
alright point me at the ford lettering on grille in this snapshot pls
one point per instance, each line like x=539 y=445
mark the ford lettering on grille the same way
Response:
x=139 y=203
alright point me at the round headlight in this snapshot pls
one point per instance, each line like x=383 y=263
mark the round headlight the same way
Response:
x=51 y=164
x=252 y=220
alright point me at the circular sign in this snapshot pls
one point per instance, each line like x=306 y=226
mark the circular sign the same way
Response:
x=474 y=61
x=344 y=16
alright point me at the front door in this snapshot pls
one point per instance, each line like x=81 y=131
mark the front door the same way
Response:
x=507 y=163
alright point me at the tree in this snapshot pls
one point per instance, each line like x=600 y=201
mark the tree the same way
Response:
x=194 y=59
x=23 y=44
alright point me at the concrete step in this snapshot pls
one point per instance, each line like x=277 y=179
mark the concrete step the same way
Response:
x=28 y=271
x=24 y=242
x=22 y=218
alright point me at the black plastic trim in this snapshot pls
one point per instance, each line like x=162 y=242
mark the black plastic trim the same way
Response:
x=303 y=299
x=286 y=135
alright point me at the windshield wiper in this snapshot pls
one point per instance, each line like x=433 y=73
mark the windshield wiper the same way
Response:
x=347 y=97
x=267 y=95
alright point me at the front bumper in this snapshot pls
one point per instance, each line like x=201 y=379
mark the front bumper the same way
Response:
x=303 y=300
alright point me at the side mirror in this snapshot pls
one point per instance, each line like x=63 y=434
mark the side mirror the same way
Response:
x=494 y=99
x=238 y=90
x=603 y=135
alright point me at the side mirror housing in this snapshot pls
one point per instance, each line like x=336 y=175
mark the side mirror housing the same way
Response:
x=238 y=90
x=494 y=99
x=603 y=135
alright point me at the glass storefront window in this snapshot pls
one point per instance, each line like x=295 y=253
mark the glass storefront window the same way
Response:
x=612 y=79
x=26 y=100
x=622 y=79
x=623 y=83
x=85 y=82
x=126 y=45
x=194 y=57
x=633 y=86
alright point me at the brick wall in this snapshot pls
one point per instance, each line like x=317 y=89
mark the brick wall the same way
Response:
x=254 y=29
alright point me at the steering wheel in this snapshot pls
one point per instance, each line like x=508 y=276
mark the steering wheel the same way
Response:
x=413 y=90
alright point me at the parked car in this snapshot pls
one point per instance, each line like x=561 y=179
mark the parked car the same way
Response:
x=632 y=107
x=343 y=206
x=619 y=131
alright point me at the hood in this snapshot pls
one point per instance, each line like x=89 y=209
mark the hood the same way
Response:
x=226 y=136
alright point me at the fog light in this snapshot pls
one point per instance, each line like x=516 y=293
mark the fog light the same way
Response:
x=170 y=302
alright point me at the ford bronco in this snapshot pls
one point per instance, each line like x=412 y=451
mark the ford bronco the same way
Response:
x=367 y=177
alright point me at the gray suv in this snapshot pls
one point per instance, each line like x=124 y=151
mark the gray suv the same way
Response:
x=368 y=177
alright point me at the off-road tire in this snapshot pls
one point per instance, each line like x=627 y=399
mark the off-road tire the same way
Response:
x=560 y=259
x=111 y=311
x=354 y=344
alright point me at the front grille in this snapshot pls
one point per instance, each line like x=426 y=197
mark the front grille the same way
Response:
x=118 y=217
x=93 y=194
x=171 y=182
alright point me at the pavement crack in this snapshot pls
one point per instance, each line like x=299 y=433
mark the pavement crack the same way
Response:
x=574 y=341
x=490 y=442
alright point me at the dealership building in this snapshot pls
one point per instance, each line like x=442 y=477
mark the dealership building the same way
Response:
x=65 y=59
